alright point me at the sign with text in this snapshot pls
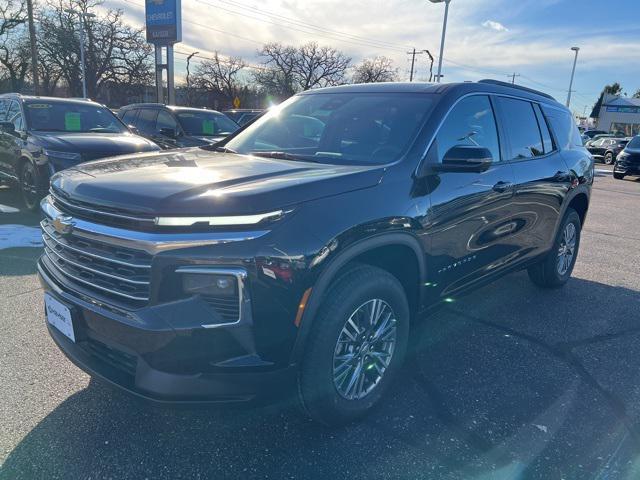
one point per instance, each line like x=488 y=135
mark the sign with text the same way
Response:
x=163 y=21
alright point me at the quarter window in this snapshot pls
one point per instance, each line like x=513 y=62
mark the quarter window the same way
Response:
x=470 y=123
x=165 y=120
x=547 y=143
x=521 y=128
x=565 y=129
x=14 y=115
x=147 y=120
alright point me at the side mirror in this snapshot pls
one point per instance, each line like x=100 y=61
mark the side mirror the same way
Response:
x=8 y=127
x=133 y=129
x=168 y=132
x=465 y=159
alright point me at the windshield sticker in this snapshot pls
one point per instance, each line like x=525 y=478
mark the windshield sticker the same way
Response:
x=72 y=122
x=208 y=127
x=39 y=105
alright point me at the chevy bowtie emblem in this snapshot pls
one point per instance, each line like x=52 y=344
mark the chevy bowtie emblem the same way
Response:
x=63 y=224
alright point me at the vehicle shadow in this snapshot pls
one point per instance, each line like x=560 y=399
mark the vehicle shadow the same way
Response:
x=509 y=382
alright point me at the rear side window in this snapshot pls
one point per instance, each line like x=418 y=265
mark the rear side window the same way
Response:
x=522 y=130
x=544 y=130
x=166 y=121
x=470 y=123
x=129 y=117
x=146 y=121
x=565 y=129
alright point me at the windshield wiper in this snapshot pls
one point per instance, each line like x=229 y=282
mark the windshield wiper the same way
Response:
x=224 y=150
x=283 y=156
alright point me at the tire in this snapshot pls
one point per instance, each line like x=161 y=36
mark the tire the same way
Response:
x=550 y=272
x=326 y=374
x=618 y=176
x=608 y=158
x=31 y=186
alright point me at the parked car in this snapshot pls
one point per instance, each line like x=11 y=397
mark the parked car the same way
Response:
x=628 y=161
x=174 y=127
x=592 y=133
x=242 y=116
x=287 y=259
x=40 y=136
x=607 y=148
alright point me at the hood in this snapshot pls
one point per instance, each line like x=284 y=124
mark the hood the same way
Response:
x=200 y=182
x=95 y=145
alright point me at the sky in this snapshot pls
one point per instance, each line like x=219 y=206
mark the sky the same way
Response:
x=485 y=38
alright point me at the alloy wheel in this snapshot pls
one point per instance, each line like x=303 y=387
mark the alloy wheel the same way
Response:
x=29 y=187
x=567 y=248
x=364 y=349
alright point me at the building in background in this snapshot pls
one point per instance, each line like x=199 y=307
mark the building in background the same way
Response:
x=619 y=114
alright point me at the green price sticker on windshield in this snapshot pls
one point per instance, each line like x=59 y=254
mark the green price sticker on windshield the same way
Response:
x=72 y=122
x=208 y=127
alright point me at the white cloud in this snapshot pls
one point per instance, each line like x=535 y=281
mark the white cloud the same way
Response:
x=493 y=25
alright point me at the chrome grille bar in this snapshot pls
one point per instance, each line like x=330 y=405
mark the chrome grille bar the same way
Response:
x=92 y=270
x=90 y=284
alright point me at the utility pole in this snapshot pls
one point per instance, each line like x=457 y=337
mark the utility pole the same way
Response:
x=513 y=77
x=413 y=62
x=34 y=49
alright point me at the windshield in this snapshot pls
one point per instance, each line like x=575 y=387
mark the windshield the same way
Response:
x=205 y=124
x=71 y=117
x=634 y=143
x=360 y=128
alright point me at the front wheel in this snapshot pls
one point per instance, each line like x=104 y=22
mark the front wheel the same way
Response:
x=555 y=268
x=356 y=346
x=30 y=185
x=608 y=158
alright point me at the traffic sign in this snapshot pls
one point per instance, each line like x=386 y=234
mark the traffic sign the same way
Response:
x=236 y=102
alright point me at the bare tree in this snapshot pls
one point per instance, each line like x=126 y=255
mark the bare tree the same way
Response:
x=378 y=69
x=115 y=53
x=220 y=75
x=13 y=35
x=289 y=70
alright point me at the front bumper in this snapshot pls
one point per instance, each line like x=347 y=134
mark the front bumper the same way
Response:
x=143 y=353
x=627 y=168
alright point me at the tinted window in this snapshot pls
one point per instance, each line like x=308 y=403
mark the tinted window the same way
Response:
x=634 y=143
x=4 y=105
x=521 y=127
x=146 y=121
x=14 y=115
x=203 y=123
x=563 y=126
x=471 y=122
x=165 y=120
x=544 y=130
x=81 y=117
x=348 y=127
x=129 y=117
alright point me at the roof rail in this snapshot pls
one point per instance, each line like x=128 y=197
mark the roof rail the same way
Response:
x=512 y=85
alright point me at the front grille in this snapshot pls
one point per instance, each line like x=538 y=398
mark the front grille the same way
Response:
x=117 y=273
x=116 y=358
x=227 y=307
x=101 y=214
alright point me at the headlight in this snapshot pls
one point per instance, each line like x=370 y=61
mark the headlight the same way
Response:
x=210 y=284
x=61 y=155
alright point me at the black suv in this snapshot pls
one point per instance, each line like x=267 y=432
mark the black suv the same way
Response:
x=607 y=148
x=628 y=161
x=175 y=127
x=40 y=136
x=300 y=252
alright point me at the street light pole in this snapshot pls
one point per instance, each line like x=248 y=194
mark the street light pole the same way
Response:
x=83 y=68
x=444 y=32
x=573 y=71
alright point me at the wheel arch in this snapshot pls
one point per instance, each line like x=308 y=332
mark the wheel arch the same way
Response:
x=366 y=251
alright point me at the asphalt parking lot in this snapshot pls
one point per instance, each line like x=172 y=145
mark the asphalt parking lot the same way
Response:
x=509 y=382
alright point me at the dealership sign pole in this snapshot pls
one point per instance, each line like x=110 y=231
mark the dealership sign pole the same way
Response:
x=164 y=28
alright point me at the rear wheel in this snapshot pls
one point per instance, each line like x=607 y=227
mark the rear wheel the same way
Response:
x=31 y=185
x=608 y=158
x=618 y=176
x=356 y=347
x=555 y=269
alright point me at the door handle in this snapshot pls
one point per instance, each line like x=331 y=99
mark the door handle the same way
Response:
x=501 y=186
